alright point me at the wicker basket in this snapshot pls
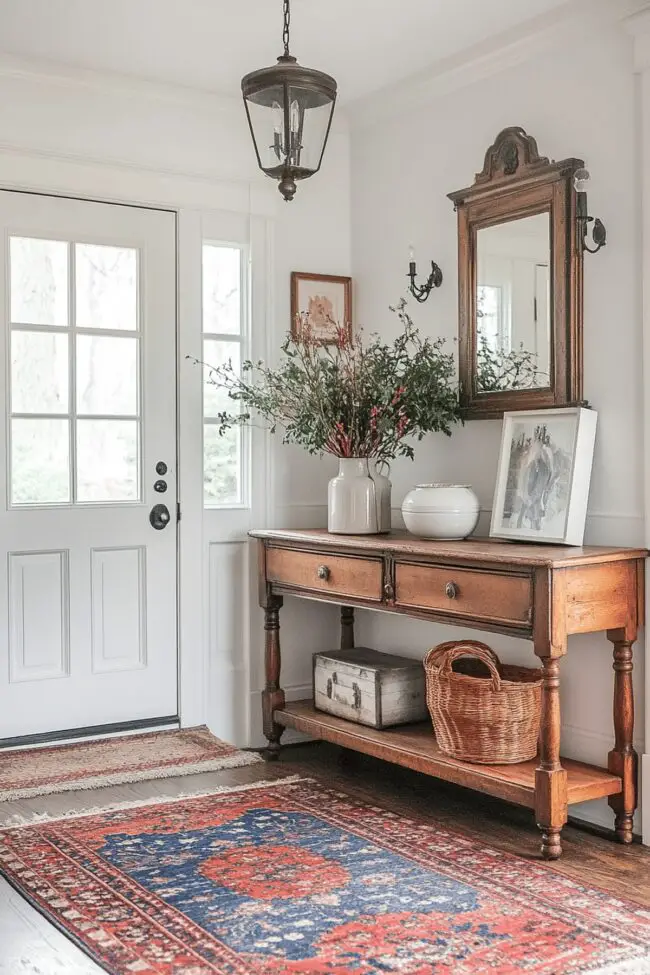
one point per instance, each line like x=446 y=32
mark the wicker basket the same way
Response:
x=482 y=710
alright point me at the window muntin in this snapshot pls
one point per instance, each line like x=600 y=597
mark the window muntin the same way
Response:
x=224 y=340
x=75 y=374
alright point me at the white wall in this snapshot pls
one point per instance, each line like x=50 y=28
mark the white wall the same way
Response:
x=577 y=99
x=157 y=135
x=312 y=234
x=188 y=149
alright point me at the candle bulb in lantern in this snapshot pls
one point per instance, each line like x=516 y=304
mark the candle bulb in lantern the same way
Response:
x=278 y=126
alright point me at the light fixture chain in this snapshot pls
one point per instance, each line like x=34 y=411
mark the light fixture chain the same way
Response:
x=279 y=102
x=287 y=22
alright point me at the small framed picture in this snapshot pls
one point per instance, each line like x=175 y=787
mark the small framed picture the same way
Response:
x=544 y=472
x=325 y=301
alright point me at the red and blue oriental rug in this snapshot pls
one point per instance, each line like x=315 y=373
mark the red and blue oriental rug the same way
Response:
x=293 y=879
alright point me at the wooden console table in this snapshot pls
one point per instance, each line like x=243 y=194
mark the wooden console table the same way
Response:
x=540 y=592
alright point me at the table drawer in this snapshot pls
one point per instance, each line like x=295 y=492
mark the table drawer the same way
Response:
x=342 y=575
x=465 y=592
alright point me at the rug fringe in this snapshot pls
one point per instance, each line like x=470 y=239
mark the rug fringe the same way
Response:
x=20 y=821
x=239 y=760
x=633 y=966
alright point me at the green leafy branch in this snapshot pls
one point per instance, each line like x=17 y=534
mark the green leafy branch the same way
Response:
x=351 y=398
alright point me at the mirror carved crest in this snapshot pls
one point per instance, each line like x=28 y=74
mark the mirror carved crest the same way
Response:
x=520 y=281
x=513 y=153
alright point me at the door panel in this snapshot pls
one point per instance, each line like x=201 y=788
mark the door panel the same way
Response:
x=38 y=616
x=88 y=306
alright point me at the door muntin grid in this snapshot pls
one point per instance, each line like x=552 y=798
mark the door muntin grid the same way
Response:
x=75 y=373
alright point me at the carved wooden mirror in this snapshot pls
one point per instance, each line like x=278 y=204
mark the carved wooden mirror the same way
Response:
x=520 y=281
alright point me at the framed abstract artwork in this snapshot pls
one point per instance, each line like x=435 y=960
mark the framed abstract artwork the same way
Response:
x=544 y=473
x=324 y=301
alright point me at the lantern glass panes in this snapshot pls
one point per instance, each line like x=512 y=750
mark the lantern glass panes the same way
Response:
x=289 y=111
x=310 y=113
x=265 y=117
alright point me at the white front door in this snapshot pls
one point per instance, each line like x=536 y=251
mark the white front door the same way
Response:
x=87 y=583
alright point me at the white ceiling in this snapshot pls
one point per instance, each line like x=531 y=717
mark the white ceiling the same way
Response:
x=210 y=44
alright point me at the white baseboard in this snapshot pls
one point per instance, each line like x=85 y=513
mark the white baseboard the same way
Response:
x=589 y=746
x=290 y=737
x=583 y=744
x=644 y=792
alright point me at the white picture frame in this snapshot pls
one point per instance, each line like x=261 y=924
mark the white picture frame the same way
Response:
x=543 y=478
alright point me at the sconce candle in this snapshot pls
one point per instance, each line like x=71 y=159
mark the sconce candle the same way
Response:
x=599 y=234
x=422 y=292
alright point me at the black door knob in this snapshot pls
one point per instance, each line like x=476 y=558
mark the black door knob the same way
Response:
x=159 y=516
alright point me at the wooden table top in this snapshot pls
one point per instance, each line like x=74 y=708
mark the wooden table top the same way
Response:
x=472 y=549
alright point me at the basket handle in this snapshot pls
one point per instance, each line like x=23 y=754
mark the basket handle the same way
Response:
x=438 y=652
x=473 y=649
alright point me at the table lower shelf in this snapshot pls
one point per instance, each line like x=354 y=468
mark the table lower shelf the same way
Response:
x=415 y=747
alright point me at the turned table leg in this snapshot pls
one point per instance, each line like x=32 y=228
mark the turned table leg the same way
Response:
x=272 y=695
x=622 y=760
x=347 y=628
x=550 y=777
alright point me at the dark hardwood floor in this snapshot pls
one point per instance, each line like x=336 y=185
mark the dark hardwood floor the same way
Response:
x=29 y=945
x=588 y=857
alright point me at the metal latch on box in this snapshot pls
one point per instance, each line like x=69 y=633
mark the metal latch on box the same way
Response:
x=356 y=690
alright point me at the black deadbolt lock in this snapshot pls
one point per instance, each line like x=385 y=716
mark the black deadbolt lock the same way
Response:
x=159 y=516
x=161 y=467
x=160 y=487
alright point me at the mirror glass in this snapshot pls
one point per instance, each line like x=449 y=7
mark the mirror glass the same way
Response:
x=513 y=305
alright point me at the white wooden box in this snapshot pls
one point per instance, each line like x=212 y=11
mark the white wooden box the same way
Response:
x=369 y=687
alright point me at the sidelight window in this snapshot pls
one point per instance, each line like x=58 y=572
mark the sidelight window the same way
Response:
x=224 y=340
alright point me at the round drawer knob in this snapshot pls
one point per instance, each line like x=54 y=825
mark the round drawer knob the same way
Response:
x=323 y=572
x=451 y=590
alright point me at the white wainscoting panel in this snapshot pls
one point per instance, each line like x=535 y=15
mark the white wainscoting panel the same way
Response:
x=39 y=631
x=118 y=601
x=228 y=639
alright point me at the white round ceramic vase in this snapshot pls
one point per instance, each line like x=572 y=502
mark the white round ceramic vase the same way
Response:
x=443 y=511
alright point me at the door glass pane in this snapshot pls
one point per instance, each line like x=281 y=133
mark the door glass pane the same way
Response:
x=221 y=465
x=107 y=375
x=221 y=289
x=39 y=372
x=215 y=398
x=39 y=281
x=107 y=460
x=39 y=461
x=107 y=293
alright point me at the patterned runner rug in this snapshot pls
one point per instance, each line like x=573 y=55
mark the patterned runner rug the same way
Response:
x=113 y=761
x=290 y=878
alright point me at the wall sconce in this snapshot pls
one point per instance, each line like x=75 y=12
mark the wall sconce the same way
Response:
x=599 y=234
x=422 y=292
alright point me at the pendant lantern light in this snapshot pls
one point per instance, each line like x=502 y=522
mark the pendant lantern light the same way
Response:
x=289 y=110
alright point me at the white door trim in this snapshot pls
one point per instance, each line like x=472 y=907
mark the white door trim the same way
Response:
x=231 y=632
x=110 y=183
x=189 y=197
x=192 y=656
